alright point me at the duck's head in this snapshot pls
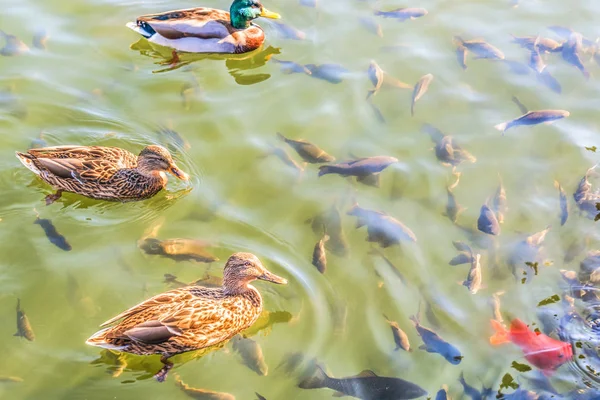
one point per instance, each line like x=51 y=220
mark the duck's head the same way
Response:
x=244 y=11
x=156 y=159
x=243 y=268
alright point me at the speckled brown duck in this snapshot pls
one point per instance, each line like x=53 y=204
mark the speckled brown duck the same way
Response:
x=106 y=173
x=191 y=317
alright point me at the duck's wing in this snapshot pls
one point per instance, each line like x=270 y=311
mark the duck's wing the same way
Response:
x=83 y=152
x=201 y=23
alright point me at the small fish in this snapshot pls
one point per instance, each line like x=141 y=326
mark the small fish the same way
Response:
x=462 y=246
x=546 y=79
x=283 y=155
x=403 y=14
x=308 y=151
x=534 y=118
x=52 y=234
x=469 y=390
x=495 y=303
x=535 y=60
x=442 y=394
x=433 y=343
x=461 y=56
x=381 y=228
x=520 y=105
x=571 y=53
x=178 y=249
x=252 y=354
x=419 y=90
x=366 y=386
x=487 y=222
x=480 y=48
x=564 y=205
x=360 y=167
x=330 y=221
x=474 y=279
x=542 y=351
x=371 y=25
x=202 y=394
x=288 y=32
x=375 y=74
x=40 y=39
x=172 y=281
x=291 y=67
x=395 y=270
x=585 y=199
x=24 y=329
x=565 y=33
x=448 y=152
x=377 y=112
x=176 y=141
x=462 y=258
x=319 y=257
x=332 y=73
x=188 y=92
x=453 y=209
x=516 y=67
x=499 y=204
x=291 y=362
x=544 y=44
x=400 y=337
x=13 y=46
x=259 y=397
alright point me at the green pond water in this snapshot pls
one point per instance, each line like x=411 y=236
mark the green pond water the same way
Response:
x=98 y=84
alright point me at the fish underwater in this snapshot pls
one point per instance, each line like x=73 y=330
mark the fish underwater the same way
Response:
x=366 y=386
x=487 y=221
x=534 y=118
x=461 y=56
x=308 y=151
x=371 y=25
x=472 y=392
x=332 y=73
x=400 y=337
x=403 y=14
x=13 y=46
x=319 y=257
x=528 y=253
x=480 y=48
x=461 y=258
x=544 y=352
x=381 y=228
x=283 y=155
x=24 y=329
x=564 y=205
x=571 y=53
x=291 y=67
x=202 y=394
x=499 y=204
x=433 y=343
x=252 y=355
x=52 y=234
x=453 y=209
x=288 y=31
x=360 y=167
x=473 y=281
x=419 y=90
x=545 y=45
x=330 y=221
x=585 y=199
x=178 y=249
x=447 y=151
x=375 y=74
x=442 y=394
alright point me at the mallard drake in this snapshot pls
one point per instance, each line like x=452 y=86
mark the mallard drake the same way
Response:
x=190 y=317
x=206 y=30
x=106 y=173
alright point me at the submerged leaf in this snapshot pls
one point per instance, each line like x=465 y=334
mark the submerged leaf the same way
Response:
x=591 y=148
x=549 y=300
x=520 y=367
x=508 y=382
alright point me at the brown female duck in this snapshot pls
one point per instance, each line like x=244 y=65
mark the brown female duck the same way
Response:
x=106 y=173
x=191 y=317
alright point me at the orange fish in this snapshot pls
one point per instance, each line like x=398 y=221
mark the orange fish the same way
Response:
x=542 y=351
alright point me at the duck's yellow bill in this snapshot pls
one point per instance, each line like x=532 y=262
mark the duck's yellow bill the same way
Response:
x=269 y=14
x=178 y=173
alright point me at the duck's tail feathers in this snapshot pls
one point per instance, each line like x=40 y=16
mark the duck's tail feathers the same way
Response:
x=98 y=339
x=27 y=160
x=317 y=380
x=501 y=335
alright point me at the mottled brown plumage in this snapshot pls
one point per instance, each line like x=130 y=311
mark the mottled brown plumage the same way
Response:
x=106 y=173
x=191 y=317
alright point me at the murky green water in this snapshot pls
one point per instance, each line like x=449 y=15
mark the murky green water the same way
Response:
x=90 y=88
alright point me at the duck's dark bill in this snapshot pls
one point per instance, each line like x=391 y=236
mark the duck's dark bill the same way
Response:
x=179 y=173
x=267 y=276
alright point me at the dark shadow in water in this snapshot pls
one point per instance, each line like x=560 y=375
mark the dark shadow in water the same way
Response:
x=237 y=64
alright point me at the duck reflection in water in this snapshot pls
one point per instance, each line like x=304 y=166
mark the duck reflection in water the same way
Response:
x=238 y=65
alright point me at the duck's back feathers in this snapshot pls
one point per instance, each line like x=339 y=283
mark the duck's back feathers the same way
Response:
x=182 y=319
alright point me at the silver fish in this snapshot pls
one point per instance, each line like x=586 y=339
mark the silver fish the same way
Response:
x=332 y=73
x=202 y=394
x=447 y=150
x=419 y=90
x=544 y=44
x=308 y=151
x=433 y=343
x=535 y=60
x=24 y=329
x=442 y=394
x=381 y=228
x=499 y=204
x=571 y=53
x=487 y=222
x=461 y=56
x=474 y=279
x=252 y=355
x=453 y=209
x=40 y=39
x=495 y=303
x=534 y=118
x=481 y=48
x=283 y=155
x=394 y=269
x=564 y=205
x=13 y=46
x=319 y=257
x=288 y=32
x=371 y=25
x=291 y=67
x=375 y=74
x=178 y=249
x=403 y=14
x=585 y=199
x=359 y=167
x=462 y=258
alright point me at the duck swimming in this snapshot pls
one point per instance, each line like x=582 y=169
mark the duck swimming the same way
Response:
x=190 y=317
x=207 y=30
x=105 y=173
